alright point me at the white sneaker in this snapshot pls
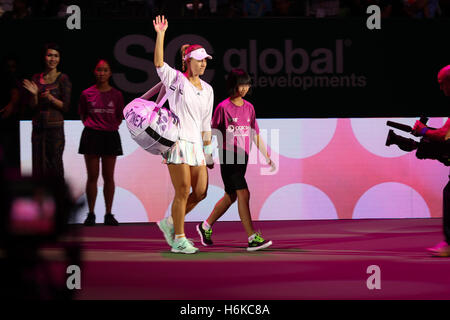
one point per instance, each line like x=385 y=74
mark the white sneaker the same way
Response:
x=183 y=245
x=168 y=230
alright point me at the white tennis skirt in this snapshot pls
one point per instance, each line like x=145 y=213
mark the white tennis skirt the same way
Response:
x=185 y=152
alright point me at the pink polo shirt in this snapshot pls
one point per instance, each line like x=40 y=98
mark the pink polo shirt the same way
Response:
x=237 y=124
x=101 y=110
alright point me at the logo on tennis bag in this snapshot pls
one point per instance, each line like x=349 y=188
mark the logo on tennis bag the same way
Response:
x=152 y=126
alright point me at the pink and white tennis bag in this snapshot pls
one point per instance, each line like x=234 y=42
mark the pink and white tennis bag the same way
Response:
x=153 y=127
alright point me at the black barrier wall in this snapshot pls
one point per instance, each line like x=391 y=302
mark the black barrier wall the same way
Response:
x=300 y=67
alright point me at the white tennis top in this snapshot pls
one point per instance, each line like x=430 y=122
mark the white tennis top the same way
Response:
x=192 y=105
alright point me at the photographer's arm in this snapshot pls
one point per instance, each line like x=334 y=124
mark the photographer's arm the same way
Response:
x=442 y=133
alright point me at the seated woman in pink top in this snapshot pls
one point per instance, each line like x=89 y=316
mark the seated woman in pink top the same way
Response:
x=100 y=109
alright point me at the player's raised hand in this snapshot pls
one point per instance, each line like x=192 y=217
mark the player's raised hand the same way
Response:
x=160 y=24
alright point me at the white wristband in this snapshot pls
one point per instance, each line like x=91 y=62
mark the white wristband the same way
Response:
x=208 y=149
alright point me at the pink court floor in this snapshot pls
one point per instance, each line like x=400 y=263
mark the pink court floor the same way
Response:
x=321 y=259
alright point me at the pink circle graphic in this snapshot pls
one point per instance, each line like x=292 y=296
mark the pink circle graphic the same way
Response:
x=298 y=201
x=391 y=200
x=371 y=133
x=298 y=138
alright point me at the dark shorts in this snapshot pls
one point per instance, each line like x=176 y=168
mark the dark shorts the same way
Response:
x=102 y=143
x=233 y=174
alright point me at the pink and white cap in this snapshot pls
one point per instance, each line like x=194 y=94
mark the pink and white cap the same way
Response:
x=197 y=54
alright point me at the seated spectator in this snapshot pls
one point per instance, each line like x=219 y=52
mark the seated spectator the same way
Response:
x=257 y=8
x=287 y=8
x=421 y=8
x=389 y=8
x=322 y=8
x=20 y=11
x=230 y=8
x=196 y=8
x=5 y=6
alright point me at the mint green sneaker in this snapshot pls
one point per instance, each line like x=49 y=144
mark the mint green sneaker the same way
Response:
x=183 y=245
x=167 y=229
x=258 y=243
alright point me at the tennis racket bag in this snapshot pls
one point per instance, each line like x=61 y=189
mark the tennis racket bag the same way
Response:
x=154 y=127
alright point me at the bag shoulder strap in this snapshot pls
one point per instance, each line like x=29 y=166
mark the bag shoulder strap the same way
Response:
x=169 y=91
x=150 y=93
x=161 y=90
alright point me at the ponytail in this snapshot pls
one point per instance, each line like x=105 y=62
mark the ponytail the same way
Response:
x=183 y=50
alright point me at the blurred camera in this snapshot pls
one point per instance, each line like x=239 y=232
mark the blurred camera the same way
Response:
x=426 y=148
x=37 y=210
x=34 y=217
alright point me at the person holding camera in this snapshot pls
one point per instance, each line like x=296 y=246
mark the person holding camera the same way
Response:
x=442 y=249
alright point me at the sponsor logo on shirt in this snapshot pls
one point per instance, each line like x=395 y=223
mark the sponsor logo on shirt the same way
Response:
x=98 y=110
x=238 y=130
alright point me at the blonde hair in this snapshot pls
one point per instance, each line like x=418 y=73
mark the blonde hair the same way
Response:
x=185 y=49
x=183 y=53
